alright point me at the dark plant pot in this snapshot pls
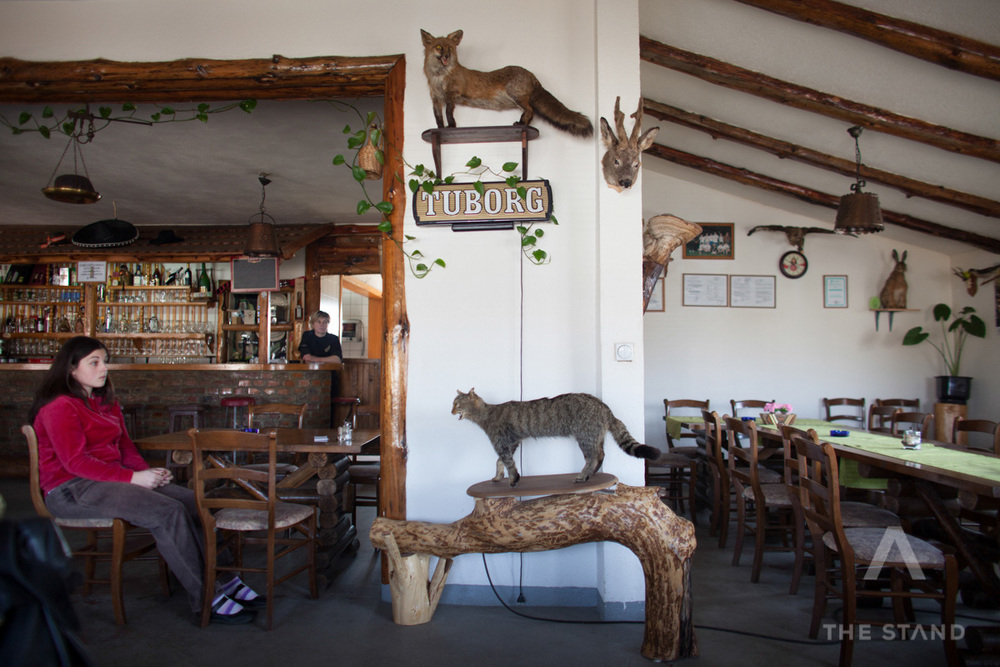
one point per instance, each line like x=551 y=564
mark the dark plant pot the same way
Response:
x=953 y=388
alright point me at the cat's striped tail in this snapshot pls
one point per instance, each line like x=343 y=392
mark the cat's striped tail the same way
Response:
x=631 y=446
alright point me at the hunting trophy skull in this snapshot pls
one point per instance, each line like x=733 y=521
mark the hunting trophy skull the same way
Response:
x=623 y=157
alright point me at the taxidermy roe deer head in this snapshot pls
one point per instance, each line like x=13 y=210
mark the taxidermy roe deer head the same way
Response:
x=623 y=158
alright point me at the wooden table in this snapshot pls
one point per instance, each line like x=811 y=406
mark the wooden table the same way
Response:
x=974 y=475
x=326 y=460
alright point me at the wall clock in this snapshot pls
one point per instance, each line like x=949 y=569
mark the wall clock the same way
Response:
x=793 y=264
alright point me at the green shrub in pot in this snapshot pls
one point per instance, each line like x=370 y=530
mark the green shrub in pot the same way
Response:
x=966 y=323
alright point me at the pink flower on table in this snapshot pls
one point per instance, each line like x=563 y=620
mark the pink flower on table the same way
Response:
x=783 y=408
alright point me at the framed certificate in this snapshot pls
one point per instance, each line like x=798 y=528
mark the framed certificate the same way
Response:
x=835 y=291
x=705 y=289
x=752 y=291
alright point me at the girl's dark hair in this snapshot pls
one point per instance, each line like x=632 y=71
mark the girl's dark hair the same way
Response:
x=59 y=380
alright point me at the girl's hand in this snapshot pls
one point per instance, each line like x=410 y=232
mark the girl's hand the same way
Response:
x=151 y=478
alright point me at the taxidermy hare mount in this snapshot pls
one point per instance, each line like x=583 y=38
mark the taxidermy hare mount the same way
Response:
x=893 y=294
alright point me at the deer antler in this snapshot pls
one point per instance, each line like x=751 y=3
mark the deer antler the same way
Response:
x=619 y=120
x=637 y=116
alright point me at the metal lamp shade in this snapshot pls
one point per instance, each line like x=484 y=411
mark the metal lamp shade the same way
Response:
x=261 y=240
x=72 y=189
x=859 y=213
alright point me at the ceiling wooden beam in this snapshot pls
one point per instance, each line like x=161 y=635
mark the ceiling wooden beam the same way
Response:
x=937 y=46
x=747 y=177
x=192 y=79
x=799 y=97
x=784 y=149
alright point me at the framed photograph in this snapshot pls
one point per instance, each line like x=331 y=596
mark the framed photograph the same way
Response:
x=752 y=292
x=705 y=289
x=835 y=291
x=716 y=241
x=656 y=303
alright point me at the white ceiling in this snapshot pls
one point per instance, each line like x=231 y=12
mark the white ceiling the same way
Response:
x=193 y=173
x=836 y=63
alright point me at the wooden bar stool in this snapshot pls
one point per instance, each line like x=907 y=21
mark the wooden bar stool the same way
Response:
x=236 y=402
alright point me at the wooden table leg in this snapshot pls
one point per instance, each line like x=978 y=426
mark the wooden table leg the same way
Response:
x=966 y=549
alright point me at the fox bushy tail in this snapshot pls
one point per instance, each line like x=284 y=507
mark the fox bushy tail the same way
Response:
x=548 y=107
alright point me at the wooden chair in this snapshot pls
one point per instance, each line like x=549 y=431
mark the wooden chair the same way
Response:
x=853 y=513
x=880 y=417
x=348 y=405
x=770 y=504
x=277 y=414
x=747 y=404
x=256 y=414
x=920 y=420
x=721 y=490
x=673 y=472
x=859 y=549
x=963 y=427
x=857 y=404
x=99 y=532
x=912 y=404
x=698 y=406
x=241 y=519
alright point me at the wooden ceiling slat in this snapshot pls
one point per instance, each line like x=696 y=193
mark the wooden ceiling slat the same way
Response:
x=937 y=46
x=784 y=149
x=747 y=81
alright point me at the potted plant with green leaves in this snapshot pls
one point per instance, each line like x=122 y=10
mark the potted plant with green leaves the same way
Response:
x=953 y=387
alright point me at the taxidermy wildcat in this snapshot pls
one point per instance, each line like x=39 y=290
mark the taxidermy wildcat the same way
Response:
x=580 y=416
x=507 y=88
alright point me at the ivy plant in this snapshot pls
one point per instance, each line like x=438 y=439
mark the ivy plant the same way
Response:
x=48 y=123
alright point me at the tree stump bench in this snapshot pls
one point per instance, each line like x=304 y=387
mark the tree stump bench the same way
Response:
x=634 y=517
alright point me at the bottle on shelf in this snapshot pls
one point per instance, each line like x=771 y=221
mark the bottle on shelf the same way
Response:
x=298 y=306
x=186 y=280
x=204 y=283
x=157 y=276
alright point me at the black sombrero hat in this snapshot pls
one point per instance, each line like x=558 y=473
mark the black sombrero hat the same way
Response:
x=106 y=234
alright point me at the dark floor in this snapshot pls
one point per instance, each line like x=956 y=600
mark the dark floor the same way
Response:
x=737 y=623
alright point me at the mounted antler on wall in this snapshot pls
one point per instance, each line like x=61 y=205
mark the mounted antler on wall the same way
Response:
x=661 y=235
x=623 y=157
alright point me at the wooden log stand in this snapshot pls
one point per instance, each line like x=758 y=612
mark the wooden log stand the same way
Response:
x=634 y=517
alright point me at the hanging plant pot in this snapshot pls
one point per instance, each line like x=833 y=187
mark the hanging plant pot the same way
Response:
x=953 y=388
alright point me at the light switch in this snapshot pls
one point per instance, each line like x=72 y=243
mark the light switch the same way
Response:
x=623 y=351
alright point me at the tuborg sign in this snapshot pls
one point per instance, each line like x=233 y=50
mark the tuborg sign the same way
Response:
x=498 y=206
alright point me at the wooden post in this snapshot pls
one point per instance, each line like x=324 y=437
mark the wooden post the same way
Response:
x=631 y=516
x=945 y=415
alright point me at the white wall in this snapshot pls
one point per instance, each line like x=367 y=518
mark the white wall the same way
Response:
x=800 y=351
x=466 y=320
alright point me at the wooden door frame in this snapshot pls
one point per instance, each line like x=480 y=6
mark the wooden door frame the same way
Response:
x=275 y=78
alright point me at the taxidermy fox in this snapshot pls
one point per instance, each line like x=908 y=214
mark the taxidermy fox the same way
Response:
x=579 y=416
x=507 y=88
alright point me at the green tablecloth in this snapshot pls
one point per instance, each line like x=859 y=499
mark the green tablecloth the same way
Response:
x=946 y=458
x=675 y=424
x=849 y=476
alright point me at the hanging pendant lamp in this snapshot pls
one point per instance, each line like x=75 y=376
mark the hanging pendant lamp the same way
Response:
x=261 y=239
x=71 y=188
x=859 y=212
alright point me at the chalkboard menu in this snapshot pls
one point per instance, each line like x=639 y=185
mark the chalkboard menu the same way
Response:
x=255 y=274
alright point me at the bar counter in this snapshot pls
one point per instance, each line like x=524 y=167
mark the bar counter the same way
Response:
x=148 y=391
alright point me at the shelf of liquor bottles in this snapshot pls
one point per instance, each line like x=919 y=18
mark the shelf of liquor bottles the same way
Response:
x=139 y=322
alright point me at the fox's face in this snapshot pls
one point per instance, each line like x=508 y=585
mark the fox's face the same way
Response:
x=439 y=52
